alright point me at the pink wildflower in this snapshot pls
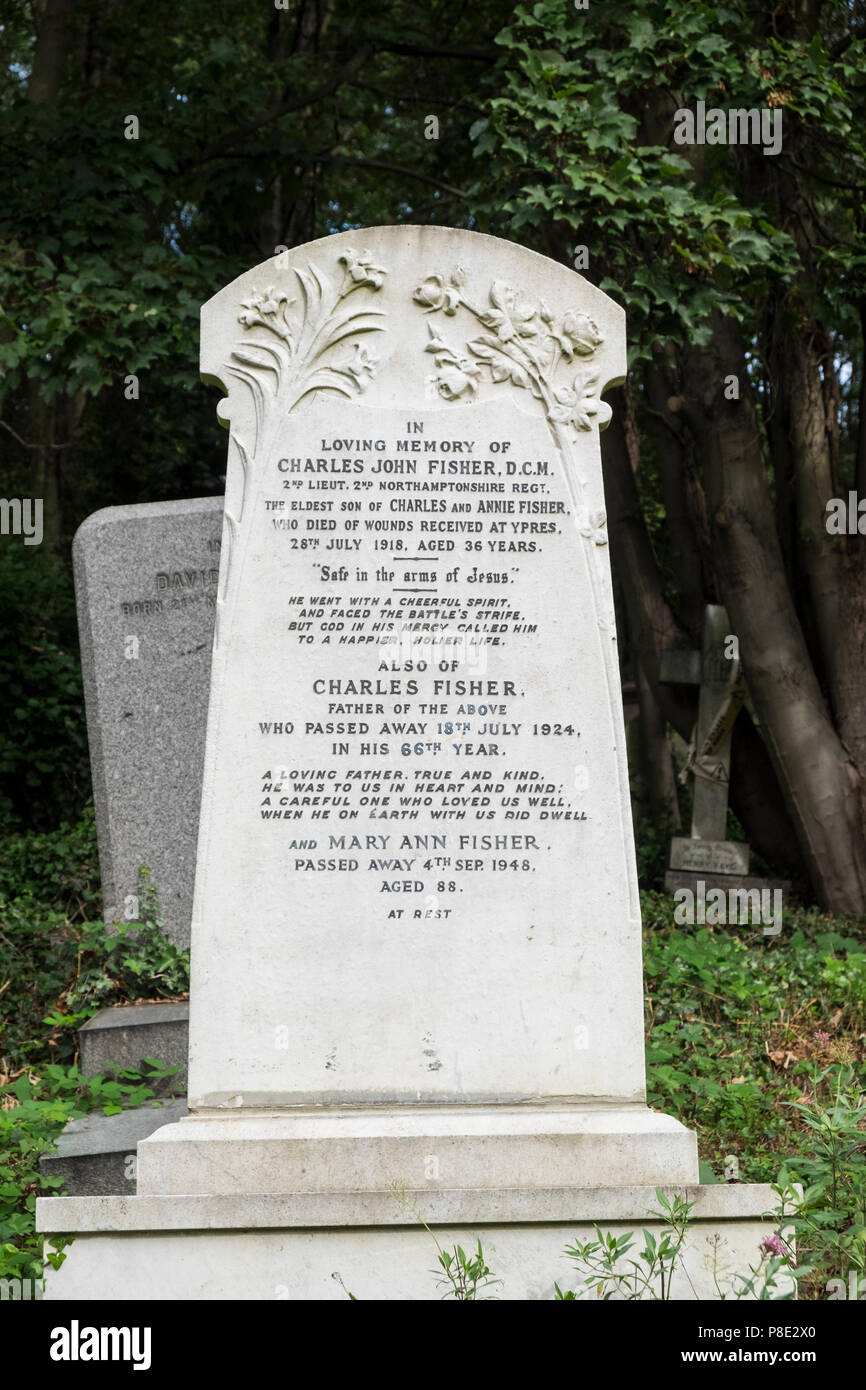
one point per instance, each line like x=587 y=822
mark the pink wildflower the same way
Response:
x=774 y=1245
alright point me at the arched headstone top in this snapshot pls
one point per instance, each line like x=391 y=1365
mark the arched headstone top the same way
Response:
x=433 y=312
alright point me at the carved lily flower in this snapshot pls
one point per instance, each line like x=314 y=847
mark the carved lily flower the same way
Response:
x=434 y=294
x=272 y=301
x=252 y=309
x=363 y=364
x=259 y=302
x=361 y=270
x=578 y=334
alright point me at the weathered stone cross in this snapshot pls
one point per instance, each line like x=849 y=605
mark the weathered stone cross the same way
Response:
x=722 y=692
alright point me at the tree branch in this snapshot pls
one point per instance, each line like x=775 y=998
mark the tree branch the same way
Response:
x=409 y=173
x=284 y=109
x=27 y=445
x=413 y=50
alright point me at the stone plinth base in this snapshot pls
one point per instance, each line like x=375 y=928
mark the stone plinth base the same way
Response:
x=93 y=1154
x=345 y=1149
x=272 y=1247
x=709 y=856
x=691 y=878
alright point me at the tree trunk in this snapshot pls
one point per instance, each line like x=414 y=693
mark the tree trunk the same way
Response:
x=755 y=793
x=54 y=20
x=820 y=783
x=681 y=502
x=45 y=465
x=54 y=26
x=651 y=622
x=860 y=462
x=656 y=758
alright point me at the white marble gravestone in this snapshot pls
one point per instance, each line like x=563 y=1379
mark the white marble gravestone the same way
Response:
x=443 y=919
x=416 y=930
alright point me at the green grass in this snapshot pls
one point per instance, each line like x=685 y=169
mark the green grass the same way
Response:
x=739 y=1025
x=59 y=966
x=759 y=1043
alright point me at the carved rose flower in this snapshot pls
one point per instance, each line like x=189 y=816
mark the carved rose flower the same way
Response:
x=453 y=381
x=361 y=270
x=434 y=294
x=578 y=334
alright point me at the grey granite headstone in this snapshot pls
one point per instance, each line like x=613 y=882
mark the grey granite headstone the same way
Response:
x=146 y=582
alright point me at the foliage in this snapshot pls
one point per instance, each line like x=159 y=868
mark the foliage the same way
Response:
x=829 y=1220
x=128 y=960
x=34 y=1107
x=737 y=1021
x=55 y=973
x=604 y=1265
x=59 y=868
x=44 y=772
x=572 y=139
x=257 y=127
x=254 y=129
x=607 y=1271
x=756 y=1042
x=62 y=283
x=464 y=1275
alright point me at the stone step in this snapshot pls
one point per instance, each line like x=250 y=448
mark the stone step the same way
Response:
x=96 y=1155
x=124 y=1036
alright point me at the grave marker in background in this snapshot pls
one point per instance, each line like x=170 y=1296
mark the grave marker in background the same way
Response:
x=146 y=581
x=707 y=860
x=722 y=691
